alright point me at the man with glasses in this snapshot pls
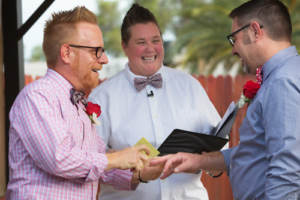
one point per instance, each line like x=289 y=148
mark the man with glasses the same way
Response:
x=265 y=164
x=54 y=151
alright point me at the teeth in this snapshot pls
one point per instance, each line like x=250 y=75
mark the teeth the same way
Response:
x=149 y=58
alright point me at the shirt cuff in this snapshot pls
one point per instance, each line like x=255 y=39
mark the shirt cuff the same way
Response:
x=226 y=154
x=98 y=163
x=119 y=179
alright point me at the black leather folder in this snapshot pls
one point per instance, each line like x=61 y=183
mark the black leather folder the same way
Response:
x=192 y=142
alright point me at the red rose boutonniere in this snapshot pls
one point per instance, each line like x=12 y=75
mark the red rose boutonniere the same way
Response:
x=249 y=91
x=93 y=111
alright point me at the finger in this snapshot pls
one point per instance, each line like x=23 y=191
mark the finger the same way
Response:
x=181 y=168
x=143 y=157
x=172 y=163
x=139 y=165
x=159 y=160
x=168 y=169
x=166 y=172
x=189 y=165
x=143 y=148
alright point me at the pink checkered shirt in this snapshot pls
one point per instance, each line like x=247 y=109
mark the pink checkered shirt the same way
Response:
x=54 y=151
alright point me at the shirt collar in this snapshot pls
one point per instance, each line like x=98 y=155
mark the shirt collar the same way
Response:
x=130 y=75
x=277 y=60
x=63 y=83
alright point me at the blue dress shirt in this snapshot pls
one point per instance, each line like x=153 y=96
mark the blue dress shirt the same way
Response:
x=266 y=163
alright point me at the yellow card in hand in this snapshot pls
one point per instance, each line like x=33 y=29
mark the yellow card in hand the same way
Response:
x=153 y=151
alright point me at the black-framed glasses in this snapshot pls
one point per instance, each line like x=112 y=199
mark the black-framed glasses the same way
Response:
x=230 y=37
x=98 y=50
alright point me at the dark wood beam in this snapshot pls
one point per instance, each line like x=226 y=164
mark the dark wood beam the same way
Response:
x=33 y=18
x=13 y=58
x=13 y=54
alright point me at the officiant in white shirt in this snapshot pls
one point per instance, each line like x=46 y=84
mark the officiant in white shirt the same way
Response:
x=150 y=100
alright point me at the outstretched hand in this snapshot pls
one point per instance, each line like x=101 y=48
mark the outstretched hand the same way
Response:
x=176 y=163
x=151 y=172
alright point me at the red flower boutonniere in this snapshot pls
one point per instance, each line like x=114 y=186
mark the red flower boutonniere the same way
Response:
x=249 y=91
x=93 y=111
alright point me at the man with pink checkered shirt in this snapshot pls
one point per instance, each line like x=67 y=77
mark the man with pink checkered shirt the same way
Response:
x=54 y=151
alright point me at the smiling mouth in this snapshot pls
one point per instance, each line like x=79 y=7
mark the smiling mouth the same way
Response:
x=149 y=58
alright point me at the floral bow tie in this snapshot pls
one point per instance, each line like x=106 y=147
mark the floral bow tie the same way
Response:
x=259 y=75
x=78 y=96
x=155 y=81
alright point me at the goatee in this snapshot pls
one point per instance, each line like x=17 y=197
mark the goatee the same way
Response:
x=245 y=68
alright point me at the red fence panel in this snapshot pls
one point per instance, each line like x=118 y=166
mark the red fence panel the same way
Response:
x=222 y=91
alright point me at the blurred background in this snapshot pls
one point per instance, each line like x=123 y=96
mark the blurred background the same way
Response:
x=194 y=33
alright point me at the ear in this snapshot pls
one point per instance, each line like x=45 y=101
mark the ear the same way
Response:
x=256 y=30
x=65 y=53
x=124 y=47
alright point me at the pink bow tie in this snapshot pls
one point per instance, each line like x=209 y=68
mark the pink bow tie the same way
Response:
x=155 y=81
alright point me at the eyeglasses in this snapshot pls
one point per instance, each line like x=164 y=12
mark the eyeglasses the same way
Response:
x=98 y=50
x=230 y=37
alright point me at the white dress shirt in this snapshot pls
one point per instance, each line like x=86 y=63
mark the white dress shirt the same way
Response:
x=128 y=115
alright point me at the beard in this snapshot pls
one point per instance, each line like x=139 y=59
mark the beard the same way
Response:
x=246 y=65
x=86 y=78
x=245 y=68
x=248 y=69
x=89 y=82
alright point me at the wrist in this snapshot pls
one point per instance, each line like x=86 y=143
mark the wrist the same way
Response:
x=140 y=178
x=135 y=177
x=213 y=174
x=111 y=161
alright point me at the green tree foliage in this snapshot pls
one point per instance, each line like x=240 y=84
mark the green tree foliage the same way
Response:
x=109 y=19
x=199 y=26
x=294 y=8
x=163 y=10
x=37 y=54
x=203 y=26
x=201 y=34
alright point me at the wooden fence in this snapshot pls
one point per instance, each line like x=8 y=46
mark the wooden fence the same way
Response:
x=222 y=90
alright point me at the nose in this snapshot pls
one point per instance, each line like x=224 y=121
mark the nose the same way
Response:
x=233 y=51
x=103 y=59
x=150 y=47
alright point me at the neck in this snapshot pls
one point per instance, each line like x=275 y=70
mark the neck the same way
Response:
x=67 y=74
x=272 y=48
x=143 y=73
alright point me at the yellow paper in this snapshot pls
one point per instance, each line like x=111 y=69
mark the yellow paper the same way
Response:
x=153 y=152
